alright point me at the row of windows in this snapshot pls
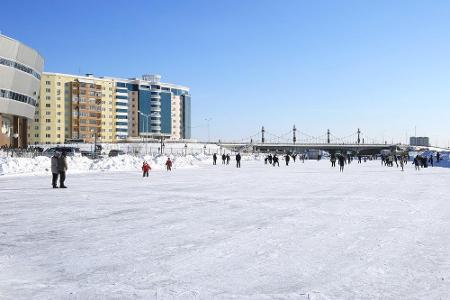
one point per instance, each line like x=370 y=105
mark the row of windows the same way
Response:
x=121 y=91
x=121 y=110
x=19 y=66
x=18 y=97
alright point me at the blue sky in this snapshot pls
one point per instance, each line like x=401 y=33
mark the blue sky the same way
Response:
x=383 y=66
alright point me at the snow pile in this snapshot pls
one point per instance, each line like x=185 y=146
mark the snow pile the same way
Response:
x=41 y=164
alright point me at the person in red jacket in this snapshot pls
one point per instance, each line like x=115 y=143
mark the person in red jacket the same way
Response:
x=169 y=164
x=145 y=168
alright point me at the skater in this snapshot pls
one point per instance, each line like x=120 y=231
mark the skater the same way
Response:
x=238 y=160
x=62 y=168
x=169 y=164
x=265 y=160
x=359 y=159
x=287 y=158
x=214 y=159
x=402 y=164
x=145 y=168
x=438 y=157
x=270 y=159
x=417 y=163
x=341 y=163
x=294 y=157
x=431 y=160
x=223 y=158
x=228 y=159
x=276 y=160
x=333 y=161
x=54 y=167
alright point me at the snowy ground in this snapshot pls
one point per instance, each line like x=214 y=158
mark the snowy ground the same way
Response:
x=260 y=232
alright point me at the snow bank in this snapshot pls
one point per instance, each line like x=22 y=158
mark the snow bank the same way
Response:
x=41 y=164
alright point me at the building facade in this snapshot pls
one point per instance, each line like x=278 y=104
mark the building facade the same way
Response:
x=419 y=141
x=20 y=77
x=74 y=108
x=82 y=108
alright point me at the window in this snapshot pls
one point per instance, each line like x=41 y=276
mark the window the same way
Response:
x=48 y=113
x=47 y=83
x=58 y=83
x=48 y=120
x=58 y=92
x=48 y=135
x=47 y=98
x=47 y=105
x=48 y=128
x=47 y=90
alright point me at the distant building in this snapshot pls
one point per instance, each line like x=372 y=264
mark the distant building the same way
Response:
x=75 y=107
x=20 y=77
x=419 y=141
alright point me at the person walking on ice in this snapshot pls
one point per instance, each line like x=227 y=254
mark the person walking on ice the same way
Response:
x=341 y=163
x=228 y=159
x=169 y=164
x=223 y=158
x=54 y=168
x=214 y=159
x=287 y=158
x=62 y=168
x=238 y=160
x=145 y=168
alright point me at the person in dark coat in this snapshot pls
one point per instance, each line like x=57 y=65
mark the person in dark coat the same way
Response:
x=431 y=160
x=54 y=168
x=223 y=158
x=294 y=157
x=333 y=161
x=214 y=159
x=438 y=157
x=62 y=168
x=417 y=163
x=238 y=160
x=275 y=160
x=341 y=163
x=228 y=159
x=270 y=159
x=287 y=158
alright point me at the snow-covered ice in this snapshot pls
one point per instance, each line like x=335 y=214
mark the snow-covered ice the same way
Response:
x=217 y=232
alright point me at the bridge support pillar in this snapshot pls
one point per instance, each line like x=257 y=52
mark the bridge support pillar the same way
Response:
x=328 y=136
x=262 y=135
x=294 y=138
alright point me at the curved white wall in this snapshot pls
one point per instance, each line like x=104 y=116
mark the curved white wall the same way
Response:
x=12 y=79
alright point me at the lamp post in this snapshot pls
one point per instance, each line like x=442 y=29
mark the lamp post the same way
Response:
x=94 y=132
x=208 y=120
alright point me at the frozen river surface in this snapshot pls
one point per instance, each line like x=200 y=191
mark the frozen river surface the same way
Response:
x=260 y=232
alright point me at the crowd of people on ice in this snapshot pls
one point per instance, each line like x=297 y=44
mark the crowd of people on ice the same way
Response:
x=59 y=162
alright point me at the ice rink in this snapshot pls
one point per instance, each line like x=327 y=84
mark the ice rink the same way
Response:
x=216 y=232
